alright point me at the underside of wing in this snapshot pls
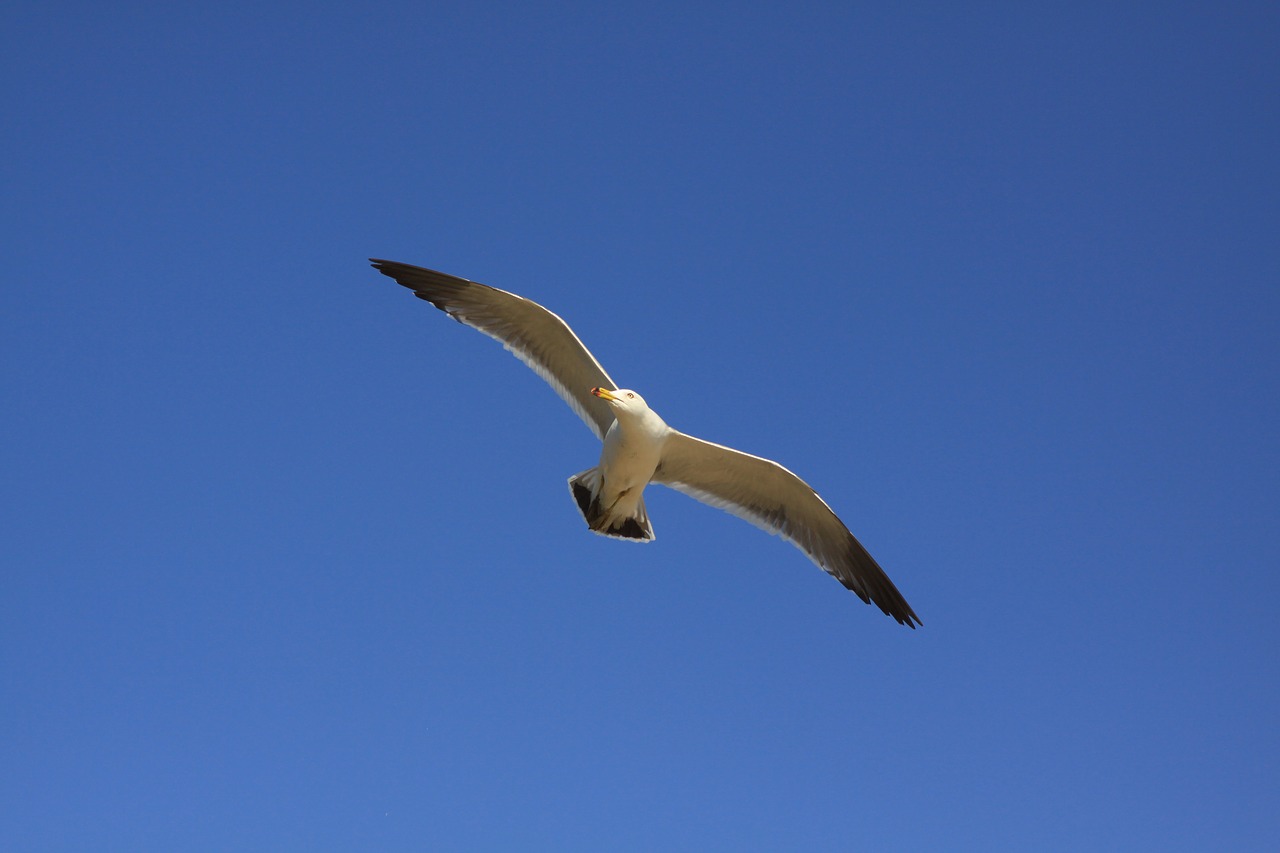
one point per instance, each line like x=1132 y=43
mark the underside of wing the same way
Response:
x=774 y=499
x=532 y=333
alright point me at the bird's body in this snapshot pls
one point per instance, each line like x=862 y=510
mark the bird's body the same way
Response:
x=630 y=456
x=640 y=448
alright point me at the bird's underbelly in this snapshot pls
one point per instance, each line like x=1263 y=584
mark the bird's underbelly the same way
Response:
x=627 y=466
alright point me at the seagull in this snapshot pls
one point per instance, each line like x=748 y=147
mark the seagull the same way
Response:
x=639 y=447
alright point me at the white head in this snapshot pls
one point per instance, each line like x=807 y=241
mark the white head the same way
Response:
x=622 y=401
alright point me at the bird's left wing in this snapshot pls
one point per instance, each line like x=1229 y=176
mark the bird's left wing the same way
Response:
x=774 y=499
x=532 y=333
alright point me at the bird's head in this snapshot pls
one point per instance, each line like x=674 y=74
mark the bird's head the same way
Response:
x=622 y=400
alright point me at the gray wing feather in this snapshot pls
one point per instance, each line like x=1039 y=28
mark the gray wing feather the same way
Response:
x=532 y=333
x=772 y=498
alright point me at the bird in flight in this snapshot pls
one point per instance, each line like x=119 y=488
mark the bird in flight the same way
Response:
x=639 y=447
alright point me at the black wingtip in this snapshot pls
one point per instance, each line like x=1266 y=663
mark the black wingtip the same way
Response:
x=394 y=268
x=900 y=611
x=865 y=579
x=906 y=617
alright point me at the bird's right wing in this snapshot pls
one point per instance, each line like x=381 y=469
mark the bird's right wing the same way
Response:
x=532 y=333
x=775 y=500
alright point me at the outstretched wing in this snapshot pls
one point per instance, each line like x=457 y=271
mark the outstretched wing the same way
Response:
x=536 y=336
x=774 y=499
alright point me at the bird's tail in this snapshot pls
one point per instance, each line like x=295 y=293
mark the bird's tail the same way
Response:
x=608 y=520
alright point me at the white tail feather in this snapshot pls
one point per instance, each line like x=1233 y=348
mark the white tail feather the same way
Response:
x=633 y=526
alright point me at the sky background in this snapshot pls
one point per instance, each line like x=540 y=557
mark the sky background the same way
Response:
x=288 y=558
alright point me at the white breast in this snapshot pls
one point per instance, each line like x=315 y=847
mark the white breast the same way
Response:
x=632 y=449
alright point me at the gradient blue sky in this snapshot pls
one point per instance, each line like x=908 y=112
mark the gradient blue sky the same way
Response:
x=289 y=562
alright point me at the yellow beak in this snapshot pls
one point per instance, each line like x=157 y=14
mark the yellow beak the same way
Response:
x=603 y=393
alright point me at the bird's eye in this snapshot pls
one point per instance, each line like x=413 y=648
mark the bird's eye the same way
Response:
x=632 y=396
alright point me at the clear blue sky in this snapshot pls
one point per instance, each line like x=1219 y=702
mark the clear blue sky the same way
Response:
x=289 y=562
